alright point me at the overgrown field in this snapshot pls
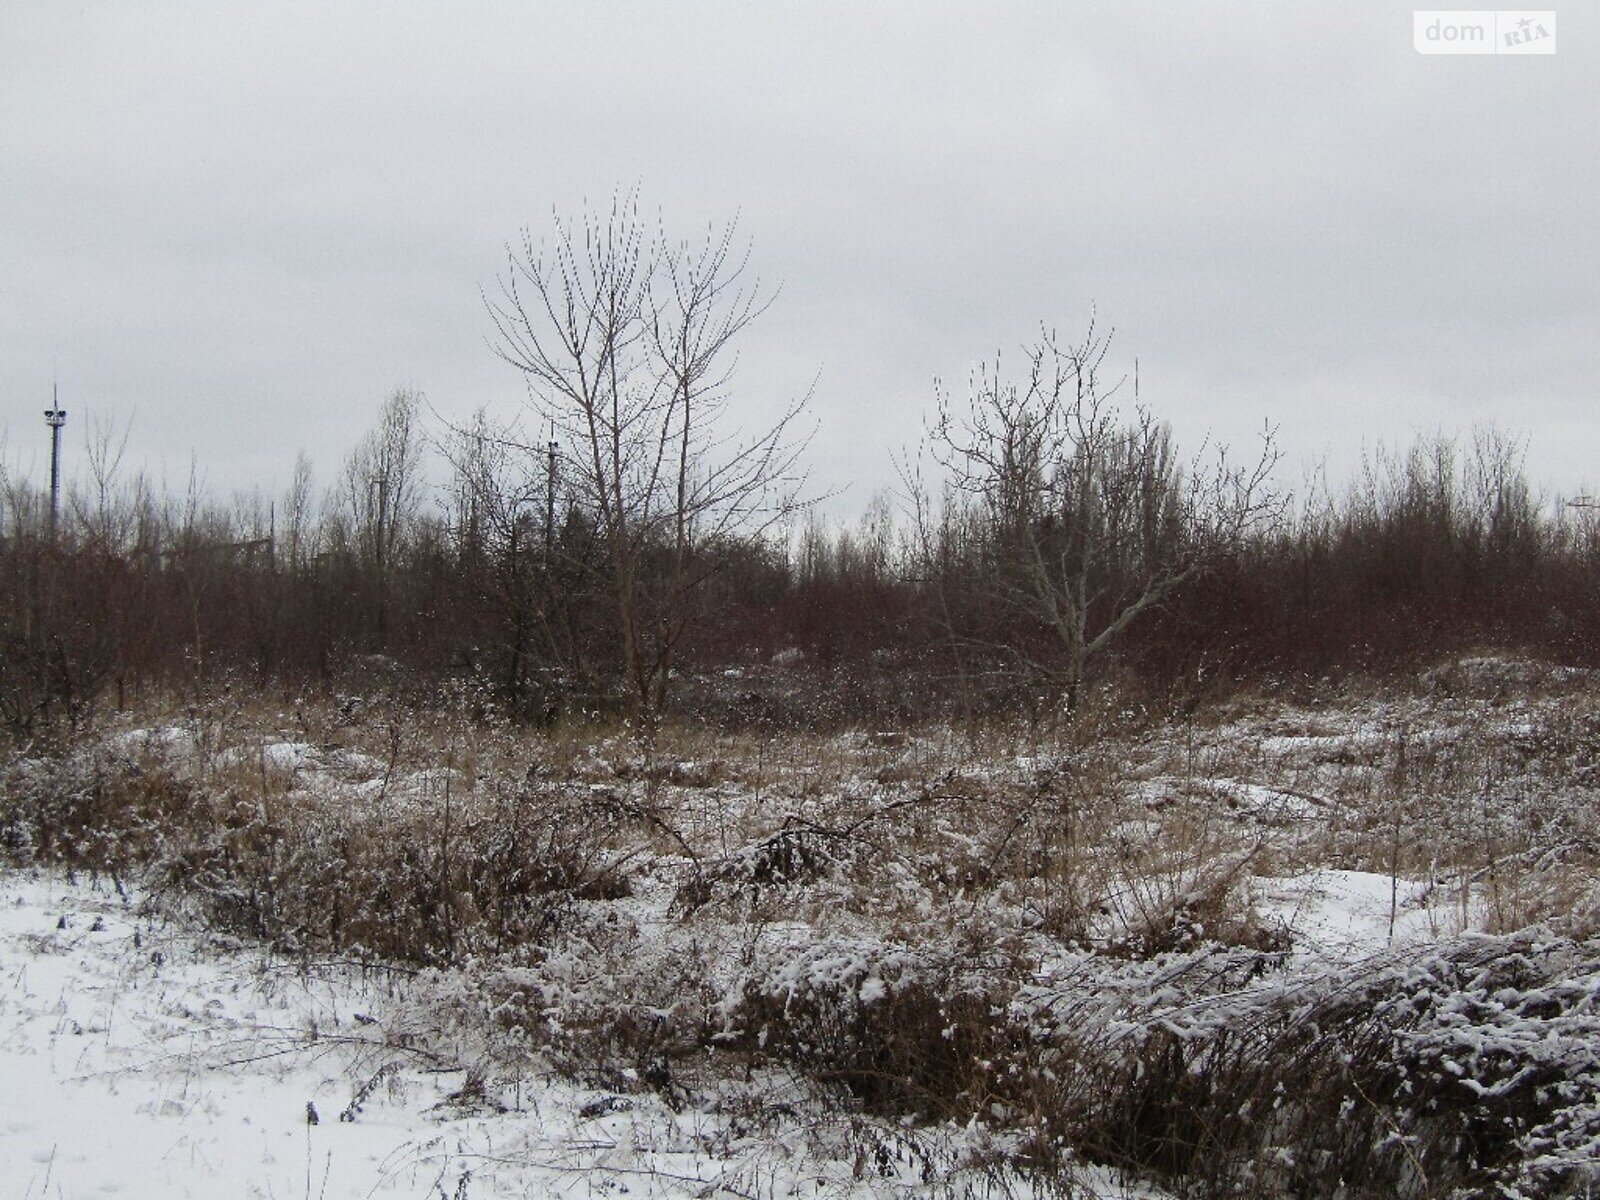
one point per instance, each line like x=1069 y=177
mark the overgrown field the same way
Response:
x=1295 y=945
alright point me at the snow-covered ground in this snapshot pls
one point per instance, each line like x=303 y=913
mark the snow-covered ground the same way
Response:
x=145 y=1060
x=141 y=1058
x=1339 y=916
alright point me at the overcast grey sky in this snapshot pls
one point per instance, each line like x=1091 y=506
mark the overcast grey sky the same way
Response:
x=242 y=225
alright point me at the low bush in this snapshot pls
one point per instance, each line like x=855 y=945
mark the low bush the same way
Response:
x=425 y=869
x=905 y=1030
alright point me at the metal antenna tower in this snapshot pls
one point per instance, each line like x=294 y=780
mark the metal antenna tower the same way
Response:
x=55 y=416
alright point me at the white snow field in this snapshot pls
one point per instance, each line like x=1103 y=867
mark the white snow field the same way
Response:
x=138 y=1059
x=141 y=1058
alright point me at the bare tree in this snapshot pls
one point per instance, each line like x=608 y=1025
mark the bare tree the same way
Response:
x=381 y=479
x=625 y=340
x=1089 y=518
x=381 y=490
x=298 y=514
x=103 y=515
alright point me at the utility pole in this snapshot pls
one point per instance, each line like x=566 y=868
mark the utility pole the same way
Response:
x=553 y=449
x=55 y=416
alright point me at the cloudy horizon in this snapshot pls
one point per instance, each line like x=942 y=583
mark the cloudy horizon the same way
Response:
x=235 y=230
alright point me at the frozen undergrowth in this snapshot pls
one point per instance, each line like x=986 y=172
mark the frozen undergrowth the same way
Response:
x=1262 y=954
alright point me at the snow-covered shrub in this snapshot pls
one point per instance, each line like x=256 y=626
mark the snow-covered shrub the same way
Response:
x=789 y=857
x=611 y=1005
x=424 y=867
x=425 y=875
x=94 y=807
x=1467 y=1068
x=906 y=1029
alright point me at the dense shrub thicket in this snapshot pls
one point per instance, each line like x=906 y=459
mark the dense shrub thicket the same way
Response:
x=1434 y=550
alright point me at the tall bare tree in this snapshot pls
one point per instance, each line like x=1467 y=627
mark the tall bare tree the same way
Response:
x=298 y=515
x=382 y=482
x=1091 y=521
x=624 y=337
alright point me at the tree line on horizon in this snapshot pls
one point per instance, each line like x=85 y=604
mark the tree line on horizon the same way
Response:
x=1436 y=549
